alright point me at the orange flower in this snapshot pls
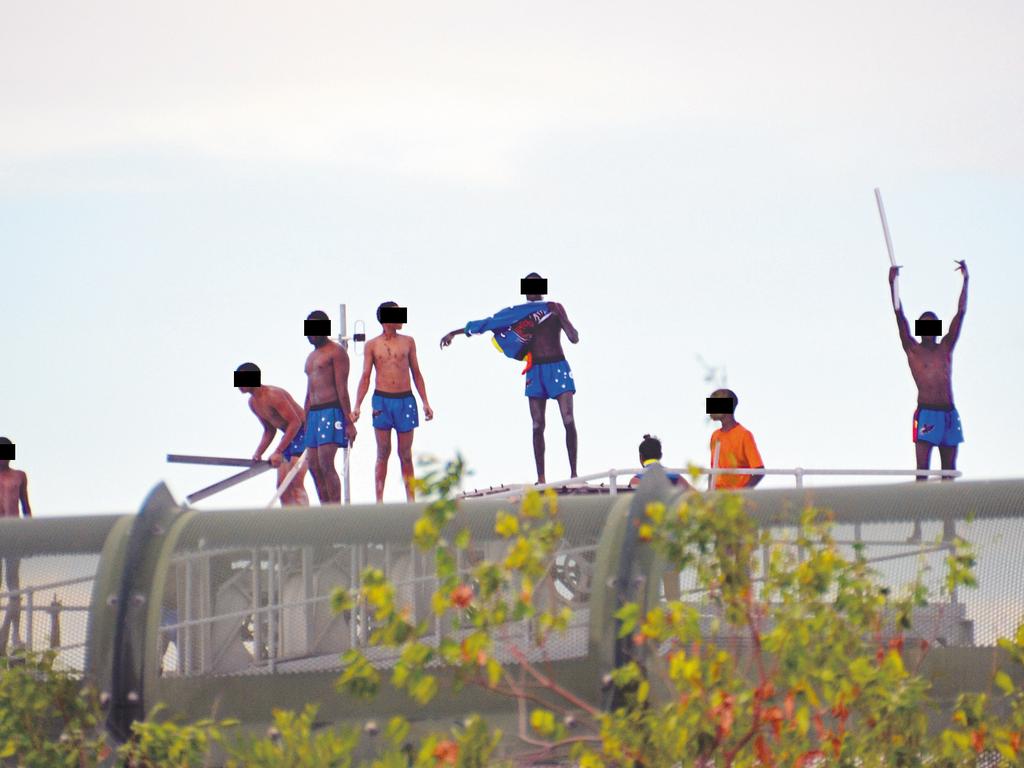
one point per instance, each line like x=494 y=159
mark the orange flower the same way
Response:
x=462 y=596
x=446 y=753
x=978 y=740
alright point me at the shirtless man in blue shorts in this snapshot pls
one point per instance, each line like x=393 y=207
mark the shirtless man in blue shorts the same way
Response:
x=548 y=376
x=13 y=491
x=328 y=413
x=394 y=407
x=277 y=410
x=936 y=421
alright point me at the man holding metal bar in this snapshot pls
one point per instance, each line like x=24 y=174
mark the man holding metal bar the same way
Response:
x=277 y=410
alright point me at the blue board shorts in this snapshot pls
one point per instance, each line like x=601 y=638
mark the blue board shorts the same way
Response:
x=394 y=410
x=325 y=424
x=938 y=426
x=297 y=445
x=549 y=379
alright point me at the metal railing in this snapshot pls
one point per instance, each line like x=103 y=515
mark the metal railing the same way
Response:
x=14 y=610
x=266 y=570
x=611 y=475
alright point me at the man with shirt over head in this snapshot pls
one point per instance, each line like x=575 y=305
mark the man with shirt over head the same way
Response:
x=394 y=407
x=13 y=491
x=328 y=413
x=277 y=410
x=732 y=445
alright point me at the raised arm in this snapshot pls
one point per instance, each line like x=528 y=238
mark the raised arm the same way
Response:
x=364 y=380
x=570 y=331
x=953 y=336
x=901 y=320
x=447 y=338
x=417 y=379
x=26 y=510
x=341 y=386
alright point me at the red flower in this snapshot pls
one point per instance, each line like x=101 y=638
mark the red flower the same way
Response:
x=446 y=753
x=462 y=596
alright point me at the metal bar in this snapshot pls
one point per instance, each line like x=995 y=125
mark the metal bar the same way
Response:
x=271 y=620
x=47 y=585
x=227 y=483
x=218 y=461
x=29 y=619
x=207 y=651
x=346 y=477
x=257 y=629
x=189 y=650
x=505 y=491
x=288 y=479
x=307 y=593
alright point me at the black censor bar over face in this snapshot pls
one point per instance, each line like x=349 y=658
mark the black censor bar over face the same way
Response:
x=317 y=328
x=927 y=327
x=531 y=286
x=247 y=378
x=394 y=314
x=6 y=452
x=720 y=405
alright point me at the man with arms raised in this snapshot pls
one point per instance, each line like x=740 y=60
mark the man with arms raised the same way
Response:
x=936 y=421
x=538 y=325
x=277 y=410
x=13 y=491
x=394 y=407
x=328 y=412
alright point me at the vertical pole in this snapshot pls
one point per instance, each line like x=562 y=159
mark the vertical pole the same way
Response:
x=799 y=474
x=257 y=617
x=343 y=340
x=611 y=482
x=308 y=608
x=271 y=609
x=189 y=650
x=29 y=618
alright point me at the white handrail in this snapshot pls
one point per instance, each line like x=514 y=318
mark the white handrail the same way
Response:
x=798 y=474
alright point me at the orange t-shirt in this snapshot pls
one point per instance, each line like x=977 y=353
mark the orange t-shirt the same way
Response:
x=738 y=451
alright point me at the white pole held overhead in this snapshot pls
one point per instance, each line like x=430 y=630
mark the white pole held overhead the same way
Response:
x=888 y=245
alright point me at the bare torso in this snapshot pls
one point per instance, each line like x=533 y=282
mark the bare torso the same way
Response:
x=391 y=360
x=274 y=404
x=547 y=339
x=932 y=368
x=320 y=370
x=11 y=481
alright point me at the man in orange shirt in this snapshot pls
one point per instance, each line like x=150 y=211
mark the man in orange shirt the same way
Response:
x=732 y=446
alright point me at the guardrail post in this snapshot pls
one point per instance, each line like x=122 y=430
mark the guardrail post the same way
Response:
x=29 y=616
x=611 y=482
x=798 y=473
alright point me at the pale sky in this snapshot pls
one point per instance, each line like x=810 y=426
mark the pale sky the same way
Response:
x=180 y=184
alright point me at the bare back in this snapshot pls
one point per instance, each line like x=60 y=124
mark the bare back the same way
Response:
x=274 y=406
x=931 y=365
x=320 y=368
x=547 y=338
x=392 y=359
x=12 y=482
